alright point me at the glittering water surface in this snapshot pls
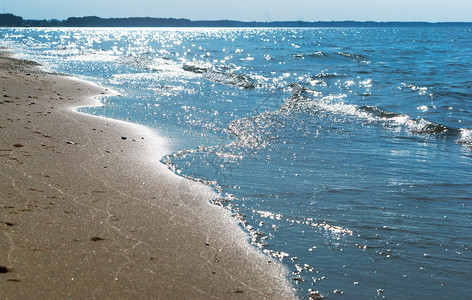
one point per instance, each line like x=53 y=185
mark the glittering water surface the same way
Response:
x=345 y=153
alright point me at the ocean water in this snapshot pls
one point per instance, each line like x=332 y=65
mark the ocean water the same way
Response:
x=345 y=153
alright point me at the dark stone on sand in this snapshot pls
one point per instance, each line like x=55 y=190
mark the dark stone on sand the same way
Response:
x=316 y=295
x=123 y=138
x=6 y=96
x=4 y=269
x=96 y=239
x=18 y=145
x=219 y=202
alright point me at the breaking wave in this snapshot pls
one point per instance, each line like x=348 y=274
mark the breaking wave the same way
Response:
x=417 y=125
x=221 y=76
x=465 y=136
x=259 y=130
x=334 y=56
x=355 y=57
x=334 y=104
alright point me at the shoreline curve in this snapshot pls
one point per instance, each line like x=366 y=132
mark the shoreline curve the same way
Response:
x=89 y=212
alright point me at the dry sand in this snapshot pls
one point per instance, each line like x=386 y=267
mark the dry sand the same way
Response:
x=85 y=213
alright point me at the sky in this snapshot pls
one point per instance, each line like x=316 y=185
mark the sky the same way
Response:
x=248 y=10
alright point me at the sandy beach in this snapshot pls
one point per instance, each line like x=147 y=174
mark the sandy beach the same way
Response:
x=87 y=210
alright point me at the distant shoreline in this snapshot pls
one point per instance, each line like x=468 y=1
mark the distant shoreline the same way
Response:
x=10 y=20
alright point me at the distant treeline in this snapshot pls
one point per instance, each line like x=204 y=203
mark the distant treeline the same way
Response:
x=9 y=20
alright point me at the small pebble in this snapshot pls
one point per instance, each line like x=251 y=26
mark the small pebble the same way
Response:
x=316 y=295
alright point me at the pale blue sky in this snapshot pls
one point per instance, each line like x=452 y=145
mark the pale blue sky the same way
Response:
x=248 y=10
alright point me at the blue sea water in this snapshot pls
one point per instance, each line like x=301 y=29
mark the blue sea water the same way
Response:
x=346 y=153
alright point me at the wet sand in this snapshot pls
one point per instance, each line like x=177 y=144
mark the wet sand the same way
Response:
x=87 y=210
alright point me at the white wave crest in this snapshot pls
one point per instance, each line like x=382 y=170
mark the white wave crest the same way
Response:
x=466 y=136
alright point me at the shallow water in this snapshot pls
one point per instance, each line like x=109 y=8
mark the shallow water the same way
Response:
x=345 y=153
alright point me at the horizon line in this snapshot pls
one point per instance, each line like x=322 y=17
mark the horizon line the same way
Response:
x=235 y=20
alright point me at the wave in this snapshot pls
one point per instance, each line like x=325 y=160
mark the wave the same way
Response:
x=238 y=80
x=421 y=90
x=259 y=130
x=255 y=132
x=328 y=75
x=225 y=77
x=195 y=68
x=141 y=61
x=318 y=54
x=334 y=104
x=355 y=57
x=418 y=125
x=220 y=74
x=465 y=137
x=157 y=65
x=335 y=56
